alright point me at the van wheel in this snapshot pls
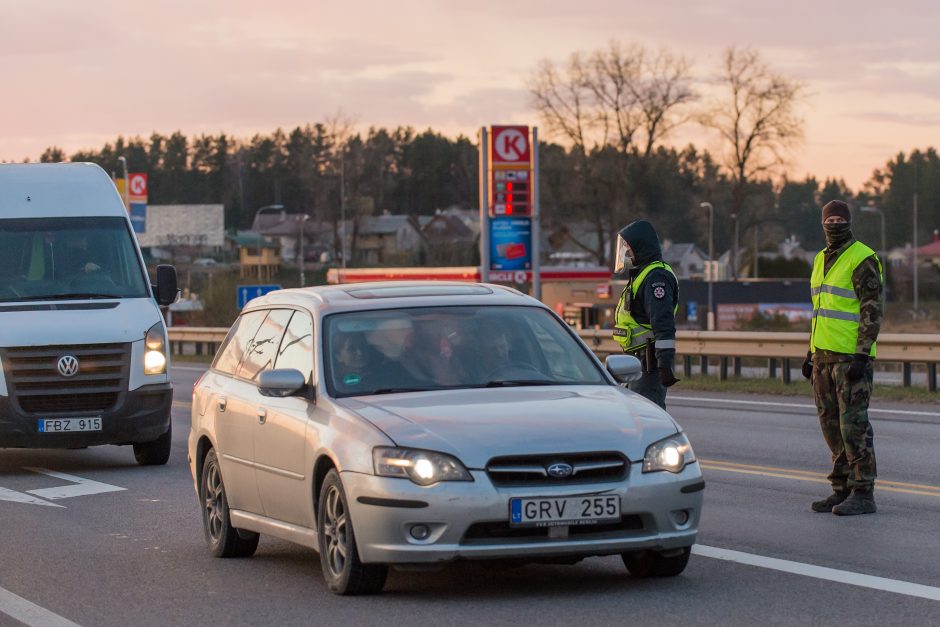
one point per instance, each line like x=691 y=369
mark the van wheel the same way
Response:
x=656 y=563
x=224 y=540
x=339 y=555
x=155 y=453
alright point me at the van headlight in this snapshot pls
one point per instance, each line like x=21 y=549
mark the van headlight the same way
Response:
x=422 y=467
x=155 y=350
x=671 y=454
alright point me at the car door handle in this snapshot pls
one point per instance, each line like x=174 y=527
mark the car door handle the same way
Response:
x=222 y=403
x=262 y=414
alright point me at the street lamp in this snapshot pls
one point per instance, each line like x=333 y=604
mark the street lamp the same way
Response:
x=874 y=209
x=127 y=183
x=258 y=224
x=734 y=249
x=711 y=261
x=300 y=244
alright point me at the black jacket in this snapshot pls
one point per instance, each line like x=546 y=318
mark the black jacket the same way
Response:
x=656 y=300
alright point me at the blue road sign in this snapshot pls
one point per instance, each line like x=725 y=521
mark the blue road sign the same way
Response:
x=139 y=217
x=247 y=292
x=691 y=311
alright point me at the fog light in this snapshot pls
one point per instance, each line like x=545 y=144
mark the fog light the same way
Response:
x=420 y=532
x=681 y=516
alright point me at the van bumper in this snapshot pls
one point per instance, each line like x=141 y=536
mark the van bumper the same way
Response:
x=140 y=416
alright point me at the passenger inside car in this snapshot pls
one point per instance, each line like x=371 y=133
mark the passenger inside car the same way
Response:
x=351 y=360
x=400 y=365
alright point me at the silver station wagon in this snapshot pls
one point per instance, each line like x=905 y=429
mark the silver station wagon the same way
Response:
x=412 y=424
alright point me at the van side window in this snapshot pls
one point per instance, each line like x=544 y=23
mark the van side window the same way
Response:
x=233 y=349
x=296 y=349
x=261 y=351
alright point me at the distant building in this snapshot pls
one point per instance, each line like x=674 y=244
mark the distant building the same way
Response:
x=450 y=242
x=258 y=256
x=686 y=260
x=386 y=240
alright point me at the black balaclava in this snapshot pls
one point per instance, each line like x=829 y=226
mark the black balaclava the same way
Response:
x=642 y=238
x=837 y=234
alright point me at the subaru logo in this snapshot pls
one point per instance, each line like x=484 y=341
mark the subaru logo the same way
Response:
x=68 y=365
x=560 y=471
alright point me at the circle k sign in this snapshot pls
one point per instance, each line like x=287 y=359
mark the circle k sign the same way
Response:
x=138 y=185
x=510 y=144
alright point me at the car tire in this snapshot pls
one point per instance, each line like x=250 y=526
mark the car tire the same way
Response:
x=343 y=572
x=656 y=563
x=224 y=540
x=156 y=453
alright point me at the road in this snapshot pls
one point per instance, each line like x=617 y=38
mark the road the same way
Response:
x=99 y=555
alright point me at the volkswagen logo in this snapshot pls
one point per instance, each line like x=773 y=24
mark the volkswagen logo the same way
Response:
x=68 y=365
x=560 y=471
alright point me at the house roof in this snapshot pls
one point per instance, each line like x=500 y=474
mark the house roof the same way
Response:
x=248 y=239
x=674 y=253
x=447 y=227
x=930 y=250
x=386 y=225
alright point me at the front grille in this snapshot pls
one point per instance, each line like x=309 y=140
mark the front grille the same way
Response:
x=500 y=531
x=34 y=380
x=532 y=470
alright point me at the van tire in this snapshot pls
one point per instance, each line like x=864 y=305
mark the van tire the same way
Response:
x=644 y=564
x=156 y=453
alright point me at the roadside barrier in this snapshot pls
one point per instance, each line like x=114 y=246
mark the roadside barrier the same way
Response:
x=725 y=349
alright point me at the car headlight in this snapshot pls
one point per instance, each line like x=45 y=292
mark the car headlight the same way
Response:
x=671 y=454
x=422 y=467
x=155 y=350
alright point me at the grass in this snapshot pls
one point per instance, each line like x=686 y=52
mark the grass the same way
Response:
x=799 y=387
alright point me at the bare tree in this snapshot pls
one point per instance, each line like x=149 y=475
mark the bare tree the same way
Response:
x=758 y=121
x=623 y=97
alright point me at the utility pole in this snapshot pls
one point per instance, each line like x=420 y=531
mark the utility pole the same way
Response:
x=710 y=317
x=914 y=251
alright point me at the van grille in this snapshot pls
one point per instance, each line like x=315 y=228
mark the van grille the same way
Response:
x=533 y=470
x=34 y=380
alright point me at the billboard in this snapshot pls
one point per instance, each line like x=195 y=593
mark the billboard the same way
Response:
x=510 y=243
x=183 y=225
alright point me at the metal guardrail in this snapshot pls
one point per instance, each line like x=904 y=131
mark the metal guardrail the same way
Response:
x=729 y=348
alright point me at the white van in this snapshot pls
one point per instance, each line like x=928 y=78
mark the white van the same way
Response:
x=83 y=345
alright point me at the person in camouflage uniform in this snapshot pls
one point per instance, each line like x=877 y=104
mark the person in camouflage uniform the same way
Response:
x=842 y=380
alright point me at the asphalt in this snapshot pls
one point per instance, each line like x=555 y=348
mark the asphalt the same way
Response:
x=138 y=555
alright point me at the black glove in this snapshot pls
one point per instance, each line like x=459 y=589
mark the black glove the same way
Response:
x=808 y=366
x=857 y=368
x=667 y=377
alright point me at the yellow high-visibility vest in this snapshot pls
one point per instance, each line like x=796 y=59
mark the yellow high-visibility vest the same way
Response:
x=836 y=308
x=630 y=334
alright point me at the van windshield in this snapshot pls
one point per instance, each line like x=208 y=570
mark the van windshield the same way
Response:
x=68 y=258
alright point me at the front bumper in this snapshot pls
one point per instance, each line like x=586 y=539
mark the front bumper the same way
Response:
x=139 y=416
x=469 y=520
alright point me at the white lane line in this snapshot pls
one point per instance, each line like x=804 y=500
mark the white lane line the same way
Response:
x=80 y=486
x=706 y=399
x=821 y=572
x=29 y=613
x=7 y=494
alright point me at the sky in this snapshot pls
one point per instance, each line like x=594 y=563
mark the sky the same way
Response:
x=78 y=74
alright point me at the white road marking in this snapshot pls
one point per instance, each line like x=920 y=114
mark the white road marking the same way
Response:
x=79 y=487
x=706 y=399
x=18 y=497
x=821 y=572
x=29 y=613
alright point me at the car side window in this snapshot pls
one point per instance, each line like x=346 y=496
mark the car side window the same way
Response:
x=235 y=345
x=296 y=349
x=261 y=351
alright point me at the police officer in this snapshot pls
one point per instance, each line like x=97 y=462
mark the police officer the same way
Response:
x=645 y=324
x=848 y=305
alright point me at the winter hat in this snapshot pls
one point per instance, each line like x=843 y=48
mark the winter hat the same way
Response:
x=836 y=208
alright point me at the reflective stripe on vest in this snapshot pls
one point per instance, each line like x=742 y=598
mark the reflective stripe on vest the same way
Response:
x=836 y=308
x=630 y=334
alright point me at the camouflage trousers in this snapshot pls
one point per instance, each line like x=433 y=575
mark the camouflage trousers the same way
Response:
x=843 y=416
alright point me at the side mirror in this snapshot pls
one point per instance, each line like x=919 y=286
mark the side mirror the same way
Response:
x=167 y=291
x=624 y=368
x=281 y=383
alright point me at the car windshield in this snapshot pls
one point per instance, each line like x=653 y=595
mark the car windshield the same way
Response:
x=68 y=258
x=435 y=348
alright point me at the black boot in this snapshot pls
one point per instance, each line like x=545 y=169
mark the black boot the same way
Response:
x=860 y=502
x=831 y=501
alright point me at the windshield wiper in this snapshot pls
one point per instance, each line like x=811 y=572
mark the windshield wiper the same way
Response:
x=396 y=390
x=519 y=382
x=87 y=295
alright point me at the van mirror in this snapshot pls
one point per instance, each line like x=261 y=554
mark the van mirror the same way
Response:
x=281 y=383
x=166 y=289
x=624 y=368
